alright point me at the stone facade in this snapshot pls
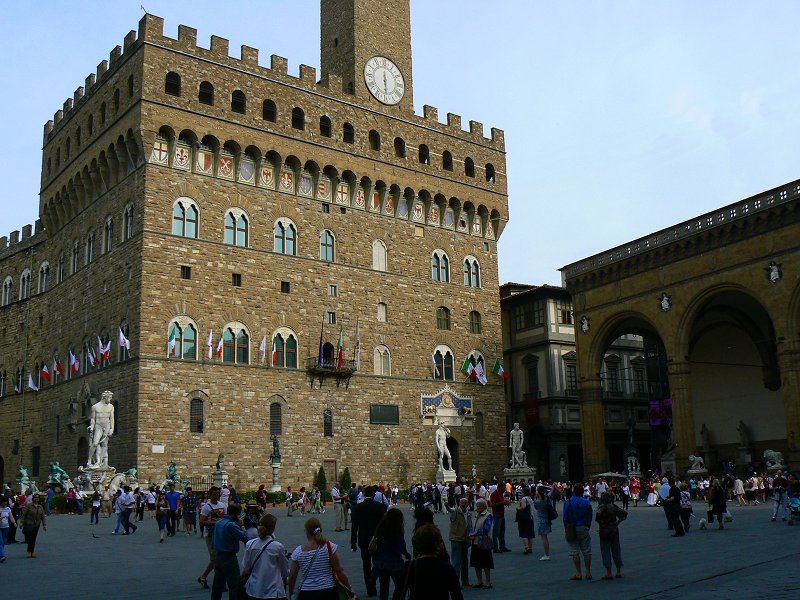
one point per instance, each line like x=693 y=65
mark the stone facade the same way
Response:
x=113 y=168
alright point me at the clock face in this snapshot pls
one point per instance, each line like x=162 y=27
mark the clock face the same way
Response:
x=384 y=80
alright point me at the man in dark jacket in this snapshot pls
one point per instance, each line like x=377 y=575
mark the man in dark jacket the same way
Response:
x=365 y=518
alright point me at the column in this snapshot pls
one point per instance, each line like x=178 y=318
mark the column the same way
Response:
x=593 y=432
x=682 y=413
x=789 y=364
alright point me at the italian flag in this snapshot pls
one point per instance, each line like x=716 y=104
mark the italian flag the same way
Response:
x=219 y=347
x=468 y=367
x=74 y=363
x=499 y=370
x=436 y=373
x=45 y=374
x=274 y=351
x=57 y=368
x=340 y=350
x=171 y=342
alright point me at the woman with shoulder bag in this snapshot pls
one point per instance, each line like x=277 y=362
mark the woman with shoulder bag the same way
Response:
x=265 y=567
x=32 y=517
x=608 y=517
x=318 y=567
x=544 y=509
x=480 y=534
x=525 y=520
x=390 y=550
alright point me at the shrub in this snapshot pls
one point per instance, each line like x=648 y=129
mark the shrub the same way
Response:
x=321 y=481
x=346 y=480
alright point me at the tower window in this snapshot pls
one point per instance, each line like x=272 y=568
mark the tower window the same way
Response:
x=469 y=167
x=325 y=127
x=348 y=133
x=490 y=173
x=447 y=161
x=238 y=102
x=206 y=94
x=374 y=140
x=269 y=111
x=172 y=84
x=298 y=118
x=424 y=155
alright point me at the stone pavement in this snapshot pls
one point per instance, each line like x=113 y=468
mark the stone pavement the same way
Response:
x=751 y=557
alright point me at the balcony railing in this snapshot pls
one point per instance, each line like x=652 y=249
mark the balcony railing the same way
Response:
x=330 y=368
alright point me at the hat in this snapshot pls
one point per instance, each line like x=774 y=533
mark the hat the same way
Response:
x=252 y=503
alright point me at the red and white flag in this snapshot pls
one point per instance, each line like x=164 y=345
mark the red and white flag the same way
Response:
x=57 y=367
x=45 y=374
x=124 y=342
x=106 y=351
x=219 y=348
x=274 y=351
x=74 y=363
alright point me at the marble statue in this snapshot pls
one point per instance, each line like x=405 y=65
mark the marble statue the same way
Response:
x=516 y=439
x=221 y=462
x=634 y=467
x=562 y=465
x=698 y=464
x=474 y=472
x=744 y=436
x=101 y=427
x=59 y=476
x=441 y=435
x=774 y=460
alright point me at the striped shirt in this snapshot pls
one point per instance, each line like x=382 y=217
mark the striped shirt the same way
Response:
x=315 y=567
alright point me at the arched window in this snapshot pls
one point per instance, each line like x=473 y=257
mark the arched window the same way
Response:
x=108 y=235
x=447 y=160
x=102 y=113
x=172 y=84
x=44 y=277
x=399 y=147
x=326 y=246
x=130 y=86
x=442 y=318
x=235 y=345
x=424 y=154
x=440 y=266
x=116 y=99
x=348 y=133
x=60 y=271
x=490 y=173
x=325 y=129
x=474 y=322
x=382 y=312
x=374 y=140
x=298 y=118
x=472 y=272
x=443 y=359
x=238 y=102
x=379 y=255
x=236 y=231
x=475 y=358
x=196 y=415
x=90 y=125
x=76 y=252
x=382 y=361
x=184 y=218
x=25 y=285
x=285 y=236
x=206 y=93
x=327 y=356
x=469 y=167
x=78 y=136
x=269 y=111
x=276 y=418
x=67 y=148
x=89 y=255
x=182 y=341
x=242 y=348
x=284 y=344
x=327 y=422
x=127 y=223
x=8 y=291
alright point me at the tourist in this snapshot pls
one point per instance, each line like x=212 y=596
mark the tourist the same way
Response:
x=302 y=500
x=316 y=500
x=6 y=521
x=128 y=503
x=162 y=513
x=210 y=514
x=32 y=517
x=544 y=508
x=428 y=576
x=672 y=506
x=608 y=517
x=48 y=500
x=459 y=539
x=577 y=515
x=265 y=566
x=119 y=508
x=498 y=502
x=289 y=498
x=151 y=502
x=316 y=562
x=600 y=488
x=225 y=540
x=251 y=518
x=636 y=489
x=225 y=495
x=686 y=506
x=366 y=517
x=94 y=518
x=173 y=499
x=391 y=550
x=780 y=486
x=79 y=497
x=716 y=503
x=738 y=491
x=189 y=508
x=338 y=506
x=261 y=496
x=481 y=544
x=11 y=499
x=525 y=525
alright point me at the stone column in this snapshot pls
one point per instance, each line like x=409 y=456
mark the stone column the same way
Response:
x=593 y=432
x=789 y=364
x=682 y=412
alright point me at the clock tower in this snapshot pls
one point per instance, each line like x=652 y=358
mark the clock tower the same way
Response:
x=368 y=44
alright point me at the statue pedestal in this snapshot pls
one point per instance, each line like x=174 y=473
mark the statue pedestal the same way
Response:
x=100 y=476
x=697 y=473
x=445 y=475
x=276 y=486
x=220 y=478
x=524 y=472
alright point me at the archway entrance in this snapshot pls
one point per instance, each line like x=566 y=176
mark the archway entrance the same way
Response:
x=735 y=382
x=83 y=452
x=452 y=446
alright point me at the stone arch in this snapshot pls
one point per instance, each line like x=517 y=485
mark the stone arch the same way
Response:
x=617 y=324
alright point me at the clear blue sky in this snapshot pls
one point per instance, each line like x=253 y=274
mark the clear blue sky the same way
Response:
x=621 y=118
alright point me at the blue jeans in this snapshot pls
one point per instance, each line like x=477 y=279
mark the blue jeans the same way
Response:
x=226 y=571
x=3 y=535
x=459 y=555
x=119 y=522
x=499 y=532
x=780 y=501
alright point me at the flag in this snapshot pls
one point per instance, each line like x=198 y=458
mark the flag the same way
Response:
x=219 y=348
x=99 y=351
x=74 y=363
x=262 y=347
x=171 y=342
x=340 y=349
x=57 y=367
x=209 y=342
x=358 y=345
x=480 y=374
x=274 y=351
x=436 y=373
x=45 y=373
x=499 y=370
x=16 y=385
x=123 y=341
x=90 y=354
x=107 y=351
x=321 y=330
x=31 y=384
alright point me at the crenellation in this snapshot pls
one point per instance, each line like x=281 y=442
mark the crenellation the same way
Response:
x=48 y=129
x=151 y=28
x=129 y=41
x=476 y=128
x=249 y=56
x=77 y=94
x=102 y=67
x=187 y=37
x=332 y=82
x=498 y=136
x=219 y=46
x=13 y=237
x=3 y=243
x=430 y=113
x=67 y=105
x=90 y=81
x=38 y=227
x=308 y=74
x=278 y=64
x=115 y=54
x=454 y=121
x=57 y=116
x=26 y=231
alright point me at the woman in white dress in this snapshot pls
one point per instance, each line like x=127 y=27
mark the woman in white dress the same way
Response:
x=652 y=497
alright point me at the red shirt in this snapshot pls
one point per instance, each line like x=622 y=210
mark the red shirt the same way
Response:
x=497 y=496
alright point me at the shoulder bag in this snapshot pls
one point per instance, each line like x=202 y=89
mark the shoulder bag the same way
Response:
x=344 y=592
x=246 y=575
x=552 y=513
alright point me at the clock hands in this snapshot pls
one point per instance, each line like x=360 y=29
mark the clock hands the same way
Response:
x=385 y=82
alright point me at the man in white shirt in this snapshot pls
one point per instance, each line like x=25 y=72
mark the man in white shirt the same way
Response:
x=380 y=498
x=211 y=512
x=663 y=494
x=338 y=507
x=600 y=488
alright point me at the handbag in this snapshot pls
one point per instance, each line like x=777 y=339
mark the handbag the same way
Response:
x=245 y=576
x=372 y=548
x=484 y=542
x=344 y=592
x=552 y=513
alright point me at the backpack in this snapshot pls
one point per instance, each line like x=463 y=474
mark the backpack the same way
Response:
x=352 y=495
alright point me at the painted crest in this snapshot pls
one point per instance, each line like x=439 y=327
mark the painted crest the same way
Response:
x=359 y=200
x=324 y=188
x=665 y=301
x=267 y=176
x=774 y=272
x=305 y=185
x=489 y=230
x=160 y=153
x=389 y=207
x=181 y=160
x=225 y=167
x=402 y=210
x=376 y=202
x=417 y=215
x=476 y=226
x=203 y=164
x=449 y=218
x=247 y=171
x=286 y=181
x=433 y=215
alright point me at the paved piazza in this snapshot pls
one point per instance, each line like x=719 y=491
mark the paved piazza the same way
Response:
x=752 y=557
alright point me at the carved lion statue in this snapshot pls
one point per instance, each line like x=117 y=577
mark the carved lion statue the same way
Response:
x=698 y=464
x=774 y=459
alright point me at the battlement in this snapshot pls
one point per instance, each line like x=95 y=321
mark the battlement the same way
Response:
x=14 y=242
x=151 y=31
